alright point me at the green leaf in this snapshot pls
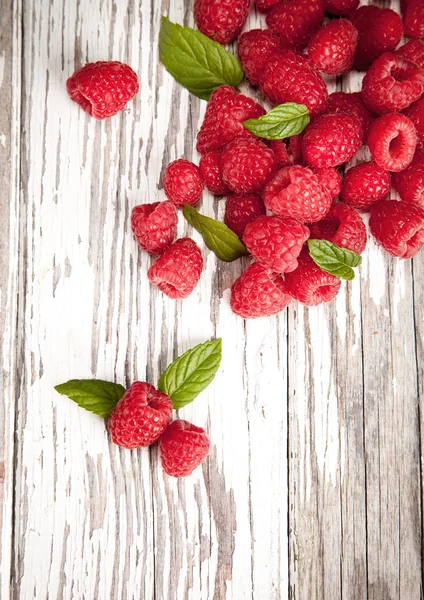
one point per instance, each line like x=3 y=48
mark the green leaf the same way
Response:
x=334 y=260
x=95 y=395
x=281 y=122
x=218 y=237
x=197 y=62
x=191 y=373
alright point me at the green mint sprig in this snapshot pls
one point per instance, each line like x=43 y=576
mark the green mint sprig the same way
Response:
x=281 y=122
x=334 y=260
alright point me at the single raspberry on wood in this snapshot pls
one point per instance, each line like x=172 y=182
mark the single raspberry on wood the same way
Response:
x=409 y=183
x=413 y=51
x=332 y=48
x=221 y=20
x=275 y=242
x=183 y=183
x=177 y=271
x=103 y=88
x=240 y=210
x=140 y=417
x=255 y=48
x=398 y=227
x=392 y=141
x=210 y=166
x=309 y=284
x=414 y=19
x=183 y=447
x=331 y=140
x=340 y=7
x=154 y=225
x=415 y=114
x=246 y=165
x=343 y=226
x=352 y=103
x=295 y=21
x=365 y=185
x=258 y=292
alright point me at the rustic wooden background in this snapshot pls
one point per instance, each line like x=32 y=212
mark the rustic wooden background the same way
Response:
x=313 y=489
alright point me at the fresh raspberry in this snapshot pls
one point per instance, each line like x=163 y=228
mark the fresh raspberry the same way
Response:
x=177 y=271
x=398 y=227
x=210 y=166
x=281 y=153
x=409 y=183
x=258 y=293
x=309 y=284
x=392 y=83
x=353 y=104
x=413 y=51
x=415 y=113
x=330 y=179
x=246 y=165
x=183 y=183
x=183 y=447
x=242 y=210
x=103 y=88
x=414 y=19
x=331 y=140
x=364 y=185
x=223 y=122
x=380 y=30
x=154 y=225
x=255 y=48
x=340 y=7
x=275 y=242
x=221 y=20
x=140 y=417
x=343 y=226
x=293 y=78
x=297 y=193
x=392 y=141
x=264 y=5
x=295 y=21
x=332 y=48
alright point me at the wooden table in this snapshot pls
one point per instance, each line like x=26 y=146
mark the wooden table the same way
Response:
x=313 y=489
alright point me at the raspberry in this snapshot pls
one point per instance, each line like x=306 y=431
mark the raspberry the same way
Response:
x=297 y=193
x=255 y=48
x=223 y=122
x=414 y=19
x=343 y=226
x=330 y=179
x=311 y=285
x=103 y=88
x=154 y=225
x=409 y=183
x=392 y=140
x=380 y=30
x=413 y=51
x=392 y=83
x=275 y=242
x=281 y=153
x=258 y=293
x=295 y=21
x=340 y=7
x=210 y=166
x=221 y=20
x=246 y=165
x=140 y=417
x=365 y=185
x=415 y=113
x=331 y=140
x=398 y=227
x=178 y=270
x=183 y=447
x=183 y=183
x=332 y=48
x=353 y=104
x=293 y=78
x=242 y=210
x=264 y=5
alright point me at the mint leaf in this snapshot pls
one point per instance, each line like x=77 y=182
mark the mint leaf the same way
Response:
x=281 y=122
x=197 y=62
x=95 y=395
x=334 y=260
x=191 y=373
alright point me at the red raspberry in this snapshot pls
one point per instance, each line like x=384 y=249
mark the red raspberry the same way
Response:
x=365 y=185
x=140 y=417
x=332 y=48
x=210 y=166
x=340 y=7
x=330 y=179
x=353 y=104
x=221 y=20
x=154 y=225
x=223 y=122
x=103 y=88
x=242 y=210
x=183 y=183
x=293 y=78
x=275 y=242
x=309 y=284
x=331 y=140
x=264 y=5
x=183 y=447
x=281 y=153
x=380 y=30
x=258 y=293
x=414 y=19
x=409 y=183
x=343 y=226
x=255 y=48
x=246 y=165
x=178 y=270
x=415 y=113
x=398 y=227
x=295 y=21
x=392 y=141
x=413 y=51
x=392 y=83
x=297 y=193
